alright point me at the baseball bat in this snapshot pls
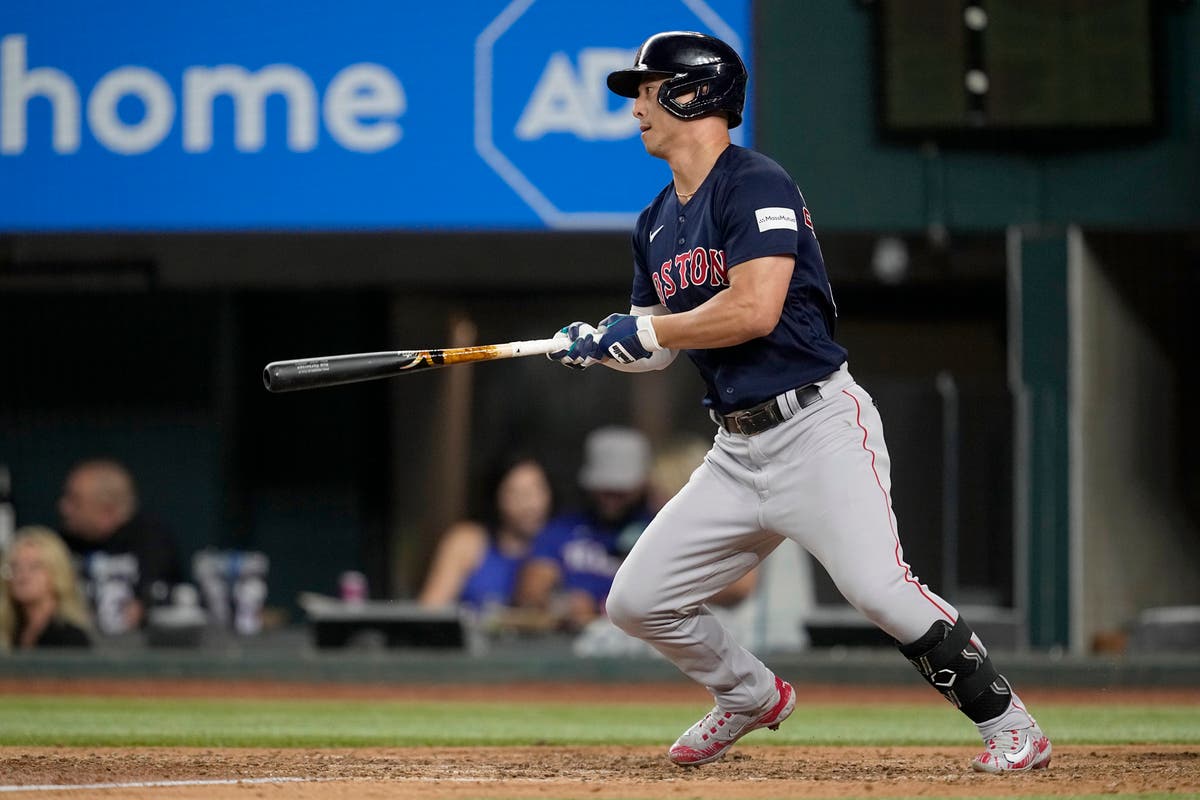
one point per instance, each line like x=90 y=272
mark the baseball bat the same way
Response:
x=314 y=373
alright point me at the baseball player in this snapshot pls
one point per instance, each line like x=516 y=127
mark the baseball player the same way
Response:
x=727 y=269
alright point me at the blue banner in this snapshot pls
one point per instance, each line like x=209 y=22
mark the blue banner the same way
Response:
x=145 y=115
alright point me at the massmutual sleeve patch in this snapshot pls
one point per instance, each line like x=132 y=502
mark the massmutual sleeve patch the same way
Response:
x=758 y=210
x=775 y=218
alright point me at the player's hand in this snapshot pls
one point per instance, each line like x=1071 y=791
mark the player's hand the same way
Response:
x=579 y=348
x=627 y=338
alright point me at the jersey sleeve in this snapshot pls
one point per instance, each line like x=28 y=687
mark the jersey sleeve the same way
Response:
x=762 y=213
x=643 y=293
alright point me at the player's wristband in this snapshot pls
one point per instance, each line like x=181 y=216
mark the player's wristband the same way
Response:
x=646 y=334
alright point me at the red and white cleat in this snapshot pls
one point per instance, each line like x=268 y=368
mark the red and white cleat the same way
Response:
x=709 y=738
x=1014 y=751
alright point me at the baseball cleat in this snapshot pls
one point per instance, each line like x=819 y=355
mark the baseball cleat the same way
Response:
x=709 y=738
x=1014 y=751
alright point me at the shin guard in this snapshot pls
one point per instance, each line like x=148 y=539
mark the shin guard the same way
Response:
x=948 y=660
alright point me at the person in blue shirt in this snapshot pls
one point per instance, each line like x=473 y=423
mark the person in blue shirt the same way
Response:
x=477 y=562
x=575 y=557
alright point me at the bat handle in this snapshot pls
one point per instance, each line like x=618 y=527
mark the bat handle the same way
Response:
x=535 y=347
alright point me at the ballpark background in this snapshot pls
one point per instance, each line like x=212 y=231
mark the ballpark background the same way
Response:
x=1007 y=196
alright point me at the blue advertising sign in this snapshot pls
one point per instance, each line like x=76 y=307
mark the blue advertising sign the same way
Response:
x=366 y=115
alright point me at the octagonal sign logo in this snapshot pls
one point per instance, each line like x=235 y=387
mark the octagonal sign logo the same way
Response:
x=545 y=120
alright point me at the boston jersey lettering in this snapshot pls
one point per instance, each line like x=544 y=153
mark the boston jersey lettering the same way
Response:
x=683 y=256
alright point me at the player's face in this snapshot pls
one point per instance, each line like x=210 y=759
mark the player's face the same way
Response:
x=662 y=133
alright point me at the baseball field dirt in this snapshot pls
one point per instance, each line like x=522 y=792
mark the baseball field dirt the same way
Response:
x=553 y=771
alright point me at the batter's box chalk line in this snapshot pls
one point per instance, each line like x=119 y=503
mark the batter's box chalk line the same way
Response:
x=67 y=787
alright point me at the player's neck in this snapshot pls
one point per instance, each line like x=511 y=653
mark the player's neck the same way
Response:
x=690 y=167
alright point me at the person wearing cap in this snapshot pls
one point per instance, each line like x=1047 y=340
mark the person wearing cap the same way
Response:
x=574 y=558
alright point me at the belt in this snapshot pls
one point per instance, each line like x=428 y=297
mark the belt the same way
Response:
x=767 y=415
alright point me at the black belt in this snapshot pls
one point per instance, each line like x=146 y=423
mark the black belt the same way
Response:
x=765 y=416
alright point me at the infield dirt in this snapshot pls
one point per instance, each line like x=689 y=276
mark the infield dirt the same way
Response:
x=515 y=773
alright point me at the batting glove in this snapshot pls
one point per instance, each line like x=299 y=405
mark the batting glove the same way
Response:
x=579 y=349
x=627 y=337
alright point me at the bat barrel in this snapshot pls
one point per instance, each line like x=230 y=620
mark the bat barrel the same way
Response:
x=311 y=373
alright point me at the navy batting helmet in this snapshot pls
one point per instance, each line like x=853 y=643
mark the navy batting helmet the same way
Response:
x=691 y=62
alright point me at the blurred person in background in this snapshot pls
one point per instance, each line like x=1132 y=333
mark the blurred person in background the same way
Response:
x=41 y=604
x=129 y=559
x=477 y=562
x=575 y=557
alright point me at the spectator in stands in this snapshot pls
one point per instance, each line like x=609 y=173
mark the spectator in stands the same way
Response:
x=41 y=604
x=477 y=562
x=576 y=556
x=129 y=559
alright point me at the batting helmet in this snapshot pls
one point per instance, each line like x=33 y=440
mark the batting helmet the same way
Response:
x=691 y=62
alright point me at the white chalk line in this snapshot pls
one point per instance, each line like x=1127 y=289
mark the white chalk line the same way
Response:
x=67 y=787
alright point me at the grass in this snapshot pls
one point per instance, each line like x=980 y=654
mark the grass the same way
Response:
x=122 y=722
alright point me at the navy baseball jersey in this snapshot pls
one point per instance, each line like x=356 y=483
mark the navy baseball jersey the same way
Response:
x=748 y=207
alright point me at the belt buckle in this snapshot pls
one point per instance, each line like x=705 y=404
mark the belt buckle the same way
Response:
x=732 y=423
x=760 y=419
x=752 y=420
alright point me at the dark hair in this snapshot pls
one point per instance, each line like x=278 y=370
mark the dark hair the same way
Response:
x=500 y=469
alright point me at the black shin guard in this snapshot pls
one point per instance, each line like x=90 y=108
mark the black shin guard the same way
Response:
x=947 y=659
